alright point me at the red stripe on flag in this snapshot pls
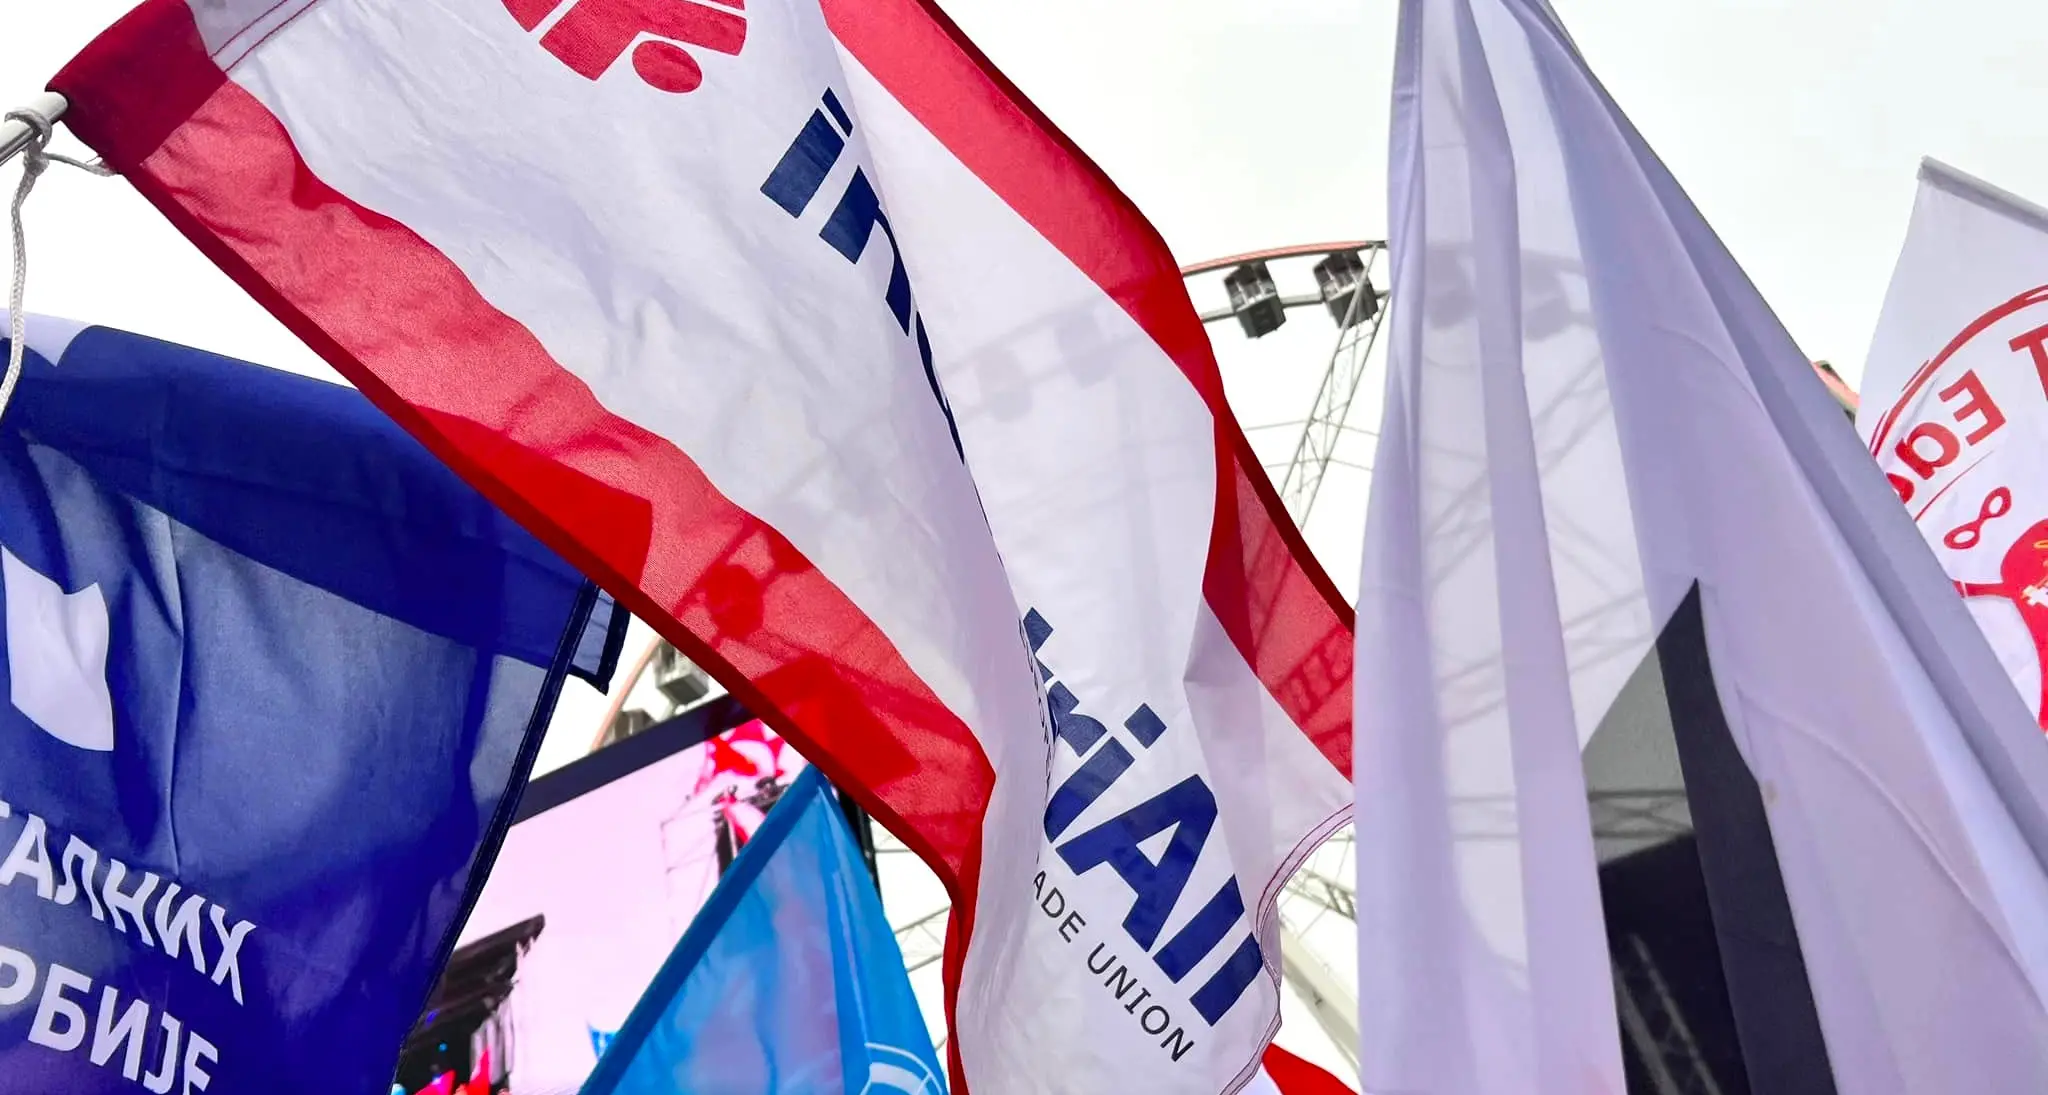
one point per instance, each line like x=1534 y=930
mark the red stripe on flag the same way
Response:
x=1294 y=1076
x=405 y=325
x=1273 y=598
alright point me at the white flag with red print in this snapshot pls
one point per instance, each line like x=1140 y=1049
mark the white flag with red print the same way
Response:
x=1955 y=405
x=800 y=329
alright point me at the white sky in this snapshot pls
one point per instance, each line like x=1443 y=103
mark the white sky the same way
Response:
x=1796 y=125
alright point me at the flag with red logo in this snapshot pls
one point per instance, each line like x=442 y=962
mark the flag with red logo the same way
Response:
x=796 y=325
x=1955 y=405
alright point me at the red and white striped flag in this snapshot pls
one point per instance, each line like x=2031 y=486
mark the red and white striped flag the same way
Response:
x=802 y=330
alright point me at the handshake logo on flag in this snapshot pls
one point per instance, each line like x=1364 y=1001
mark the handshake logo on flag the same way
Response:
x=592 y=35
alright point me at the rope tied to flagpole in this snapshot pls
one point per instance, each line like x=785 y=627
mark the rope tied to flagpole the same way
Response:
x=36 y=158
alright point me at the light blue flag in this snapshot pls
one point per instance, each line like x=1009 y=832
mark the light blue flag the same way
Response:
x=789 y=980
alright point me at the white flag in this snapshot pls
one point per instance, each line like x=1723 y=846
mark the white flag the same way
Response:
x=1957 y=404
x=1599 y=443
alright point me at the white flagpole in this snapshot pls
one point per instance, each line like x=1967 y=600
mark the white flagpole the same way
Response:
x=16 y=132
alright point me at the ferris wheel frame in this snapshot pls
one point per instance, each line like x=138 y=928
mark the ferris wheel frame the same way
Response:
x=1344 y=289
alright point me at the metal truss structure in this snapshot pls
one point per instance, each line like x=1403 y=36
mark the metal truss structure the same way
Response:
x=1345 y=289
x=1329 y=418
x=1655 y=1025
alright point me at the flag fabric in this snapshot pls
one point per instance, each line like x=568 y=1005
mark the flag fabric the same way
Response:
x=788 y=982
x=274 y=676
x=1290 y=1075
x=1956 y=407
x=1600 y=444
x=610 y=858
x=798 y=327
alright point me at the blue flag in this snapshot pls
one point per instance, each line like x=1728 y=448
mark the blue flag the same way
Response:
x=270 y=677
x=788 y=982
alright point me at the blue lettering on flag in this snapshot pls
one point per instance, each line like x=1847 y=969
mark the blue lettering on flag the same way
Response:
x=1185 y=810
x=270 y=674
x=796 y=180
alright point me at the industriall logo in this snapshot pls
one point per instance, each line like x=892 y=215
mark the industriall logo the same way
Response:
x=591 y=35
x=1957 y=449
